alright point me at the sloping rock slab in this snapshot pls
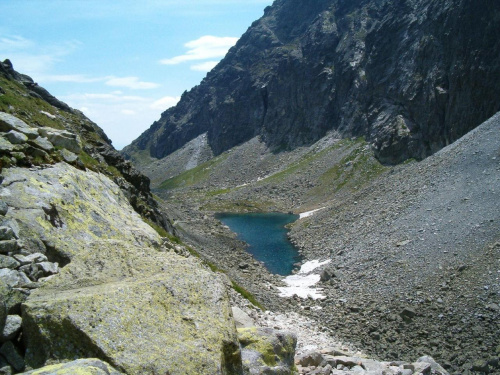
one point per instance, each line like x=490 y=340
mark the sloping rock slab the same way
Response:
x=120 y=296
x=172 y=323
x=91 y=366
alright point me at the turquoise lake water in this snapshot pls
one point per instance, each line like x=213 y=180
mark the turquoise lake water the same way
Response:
x=265 y=233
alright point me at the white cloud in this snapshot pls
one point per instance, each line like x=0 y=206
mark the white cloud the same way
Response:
x=206 y=47
x=122 y=117
x=165 y=102
x=14 y=42
x=72 y=78
x=128 y=112
x=205 y=66
x=131 y=83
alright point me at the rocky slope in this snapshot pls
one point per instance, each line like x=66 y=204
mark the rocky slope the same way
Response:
x=413 y=248
x=411 y=76
x=21 y=97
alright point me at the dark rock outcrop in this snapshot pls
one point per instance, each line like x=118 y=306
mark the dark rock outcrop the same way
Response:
x=411 y=76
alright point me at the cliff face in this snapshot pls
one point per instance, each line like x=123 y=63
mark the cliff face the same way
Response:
x=411 y=76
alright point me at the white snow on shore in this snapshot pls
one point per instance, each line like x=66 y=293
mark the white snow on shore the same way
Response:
x=309 y=213
x=302 y=284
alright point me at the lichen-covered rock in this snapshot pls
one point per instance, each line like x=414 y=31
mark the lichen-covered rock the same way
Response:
x=267 y=351
x=62 y=138
x=119 y=297
x=91 y=366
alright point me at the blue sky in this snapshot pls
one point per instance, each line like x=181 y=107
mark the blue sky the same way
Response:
x=121 y=62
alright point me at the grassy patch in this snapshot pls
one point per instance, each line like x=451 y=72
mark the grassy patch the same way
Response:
x=193 y=176
x=306 y=160
x=247 y=295
x=354 y=170
x=19 y=103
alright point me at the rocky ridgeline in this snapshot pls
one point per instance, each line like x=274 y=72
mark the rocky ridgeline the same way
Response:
x=392 y=71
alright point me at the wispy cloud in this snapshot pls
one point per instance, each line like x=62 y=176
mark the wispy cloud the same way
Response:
x=131 y=82
x=206 y=47
x=124 y=117
x=14 y=42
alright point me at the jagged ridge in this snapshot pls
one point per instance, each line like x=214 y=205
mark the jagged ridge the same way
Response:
x=411 y=76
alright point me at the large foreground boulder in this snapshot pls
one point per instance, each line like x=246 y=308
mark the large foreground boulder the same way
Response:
x=120 y=296
x=91 y=366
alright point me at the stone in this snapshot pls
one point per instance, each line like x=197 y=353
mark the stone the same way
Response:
x=436 y=367
x=423 y=368
x=13 y=278
x=16 y=138
x=48 y=268
x=310 y=359
x=12 y=327
x=42 y=143
x=62 y=138
x=5 y=146
x=241 y=318
x=265 y=350
x=8 y=262
x=6 y=233
x=90 y=366
x=10 y=353
x=348 y=361
x=3 y=208
x=36 y=258
x=22 y=259
x=407 y=314
x=9 y=122
x=6 y=370
x=327 y=274
x=10 y=300
x=8 y=246
x=68 y=156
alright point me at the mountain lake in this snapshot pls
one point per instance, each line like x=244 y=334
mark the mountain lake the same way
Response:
x=266 y=236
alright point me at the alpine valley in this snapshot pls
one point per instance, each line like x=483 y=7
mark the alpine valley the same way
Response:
x=376 y=122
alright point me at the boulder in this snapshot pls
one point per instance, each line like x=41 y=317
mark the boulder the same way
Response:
x=91 y=366
x=118 y=298
x=6 y=233
x=9 y=122
x=16 y=138
x=8 y=246
x=11 y=328
x=241 y=318
x=68 y=156
x=5 y=146
x=8 y=262
x=11 y=354
x=435 y=367
x=62 y=138
x=265 y=350
x=42 y=144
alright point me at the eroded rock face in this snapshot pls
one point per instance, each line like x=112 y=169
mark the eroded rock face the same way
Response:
x=411 y=76
x=120 y=296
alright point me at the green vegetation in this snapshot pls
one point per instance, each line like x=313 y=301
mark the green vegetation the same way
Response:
x=353 y=171
x=193 y=176
x=306 y=160
x=246 y=294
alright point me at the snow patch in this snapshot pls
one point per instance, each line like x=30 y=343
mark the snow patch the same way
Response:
x=302 y=284
x=309 y=213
